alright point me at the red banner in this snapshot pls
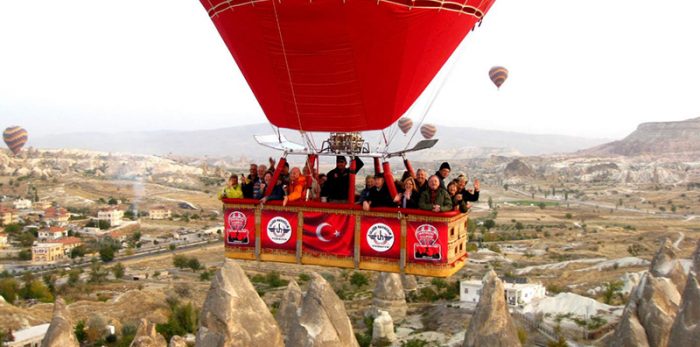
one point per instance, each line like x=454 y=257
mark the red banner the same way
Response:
x=380 y=237
x=329 y=233
x=426 y=242
x=239 y=226
x=279 y=230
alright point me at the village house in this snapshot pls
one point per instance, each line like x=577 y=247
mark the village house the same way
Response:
x=516 y=293
x=56 y=215
x=52 y=233
x=30 y=337
x=3 y=240
x=8 y=216
x=42 y=205
x=47 y=252
x=159 y=212
x=111 y=214
x=69 y=243
x=22 y=204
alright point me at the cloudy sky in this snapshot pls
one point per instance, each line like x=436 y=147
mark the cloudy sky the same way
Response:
x=587 y=68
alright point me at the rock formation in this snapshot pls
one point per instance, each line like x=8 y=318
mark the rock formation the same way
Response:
x=322 y=319
x=654 y=304
x=686 y=328
x=383 y=330
x=60 y=333
x=409 y=283
x=518 y=168
x=666 y=264
x=147 y=336
x=233 y=313
x=491 y=324
x=177 y=341
x=289 y=306
x=389 y=296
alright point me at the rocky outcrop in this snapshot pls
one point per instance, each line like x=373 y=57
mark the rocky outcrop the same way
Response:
x=666 y=264
x=409 y=283
x=322 y=319
x=289 y=306
x=686 y=328
x=383 y=330
x=389 y=296
x=655 y=138
x=654 y=304
x=60 y=333
x=518 y=168
x=491 y=324
x=177 y=341
x=147 y=336
x=233 y=313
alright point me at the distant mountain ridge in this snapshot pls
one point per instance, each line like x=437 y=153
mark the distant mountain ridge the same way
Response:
x=655 y=138
x=455 y=142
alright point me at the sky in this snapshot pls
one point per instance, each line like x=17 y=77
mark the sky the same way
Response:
x=584 y=68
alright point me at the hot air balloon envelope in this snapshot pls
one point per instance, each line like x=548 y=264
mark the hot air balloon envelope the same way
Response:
x=15 y=137
x=331 y=65
x=498 y=75
x=428 y=131
x=405 y=124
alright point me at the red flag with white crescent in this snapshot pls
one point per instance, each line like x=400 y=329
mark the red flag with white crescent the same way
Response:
x=329 y=234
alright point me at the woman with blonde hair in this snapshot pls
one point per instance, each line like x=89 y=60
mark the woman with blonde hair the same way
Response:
x=409 y=197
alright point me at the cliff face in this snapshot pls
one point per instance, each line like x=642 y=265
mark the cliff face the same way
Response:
x=656 y=138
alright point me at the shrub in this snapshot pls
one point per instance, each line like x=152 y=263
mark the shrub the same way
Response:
x=358 y=279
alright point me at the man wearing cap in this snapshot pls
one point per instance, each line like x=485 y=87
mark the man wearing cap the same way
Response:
x=338 y=181
x=379 y=195
x=442 y=173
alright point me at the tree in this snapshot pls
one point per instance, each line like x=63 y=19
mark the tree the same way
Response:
x=172 y=247
x=519 y=226
x=97 y=274
x=112 y=201
x=610 y=290
x=74 y=276
x=13 y=228
x=25 y=254
x=106 y=253
x=490 y=202
x=489 y=223
x=36 y=289
x=26 y=239
x=542 y=205
x=194 y=264
x=9 y=288
x=80 y=332
x=78 y=252
x=118 y=270
x=180 y=261
x=505 y=187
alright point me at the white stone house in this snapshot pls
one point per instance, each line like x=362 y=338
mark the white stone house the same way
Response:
x=22 y=204
x=516 y=293
x=111 y=214
x=30 y=337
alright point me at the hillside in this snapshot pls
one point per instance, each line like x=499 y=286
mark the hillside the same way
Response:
x=657 y=138
x=454 y=142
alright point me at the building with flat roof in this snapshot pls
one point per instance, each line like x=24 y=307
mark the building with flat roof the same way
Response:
x=47 y=252
x=22 y=204
x=516 y=293
x=52 y=233
x=3 y=240
x=8 y=216
x=69 y=243
x=111 y=214
x=159 y=212
x=30 y=337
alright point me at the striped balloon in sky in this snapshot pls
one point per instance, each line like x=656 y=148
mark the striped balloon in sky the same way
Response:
x=405 y=124
x=498 y=75
x=15 y=137
x=428 y=131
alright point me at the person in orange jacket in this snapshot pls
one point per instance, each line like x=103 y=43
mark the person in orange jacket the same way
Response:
x=297 y=186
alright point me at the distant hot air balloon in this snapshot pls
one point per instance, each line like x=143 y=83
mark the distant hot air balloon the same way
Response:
x=405 y=124
x=428 y=131
x=15 y=137
x=498 y=75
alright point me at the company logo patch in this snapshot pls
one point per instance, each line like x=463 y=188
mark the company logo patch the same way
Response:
x=426 y=247
x=279 y=230
x=380 y=237
x=237 y=234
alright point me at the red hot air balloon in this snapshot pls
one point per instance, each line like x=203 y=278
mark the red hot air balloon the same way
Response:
x=428 y=131
x=15 y=137
x=498 y=75
x=405 y=124
x=341 y=66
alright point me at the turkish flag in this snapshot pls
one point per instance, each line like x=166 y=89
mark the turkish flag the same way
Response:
x=329 y=234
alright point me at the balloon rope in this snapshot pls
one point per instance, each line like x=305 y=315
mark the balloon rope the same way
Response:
x=289 y=73
x=437 y=92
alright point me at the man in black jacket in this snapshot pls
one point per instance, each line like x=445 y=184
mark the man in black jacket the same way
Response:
x=442 y=174
x=338 y=181
x=379 y=195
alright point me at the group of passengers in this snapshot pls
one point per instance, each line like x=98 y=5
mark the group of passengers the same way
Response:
x=421 y=192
